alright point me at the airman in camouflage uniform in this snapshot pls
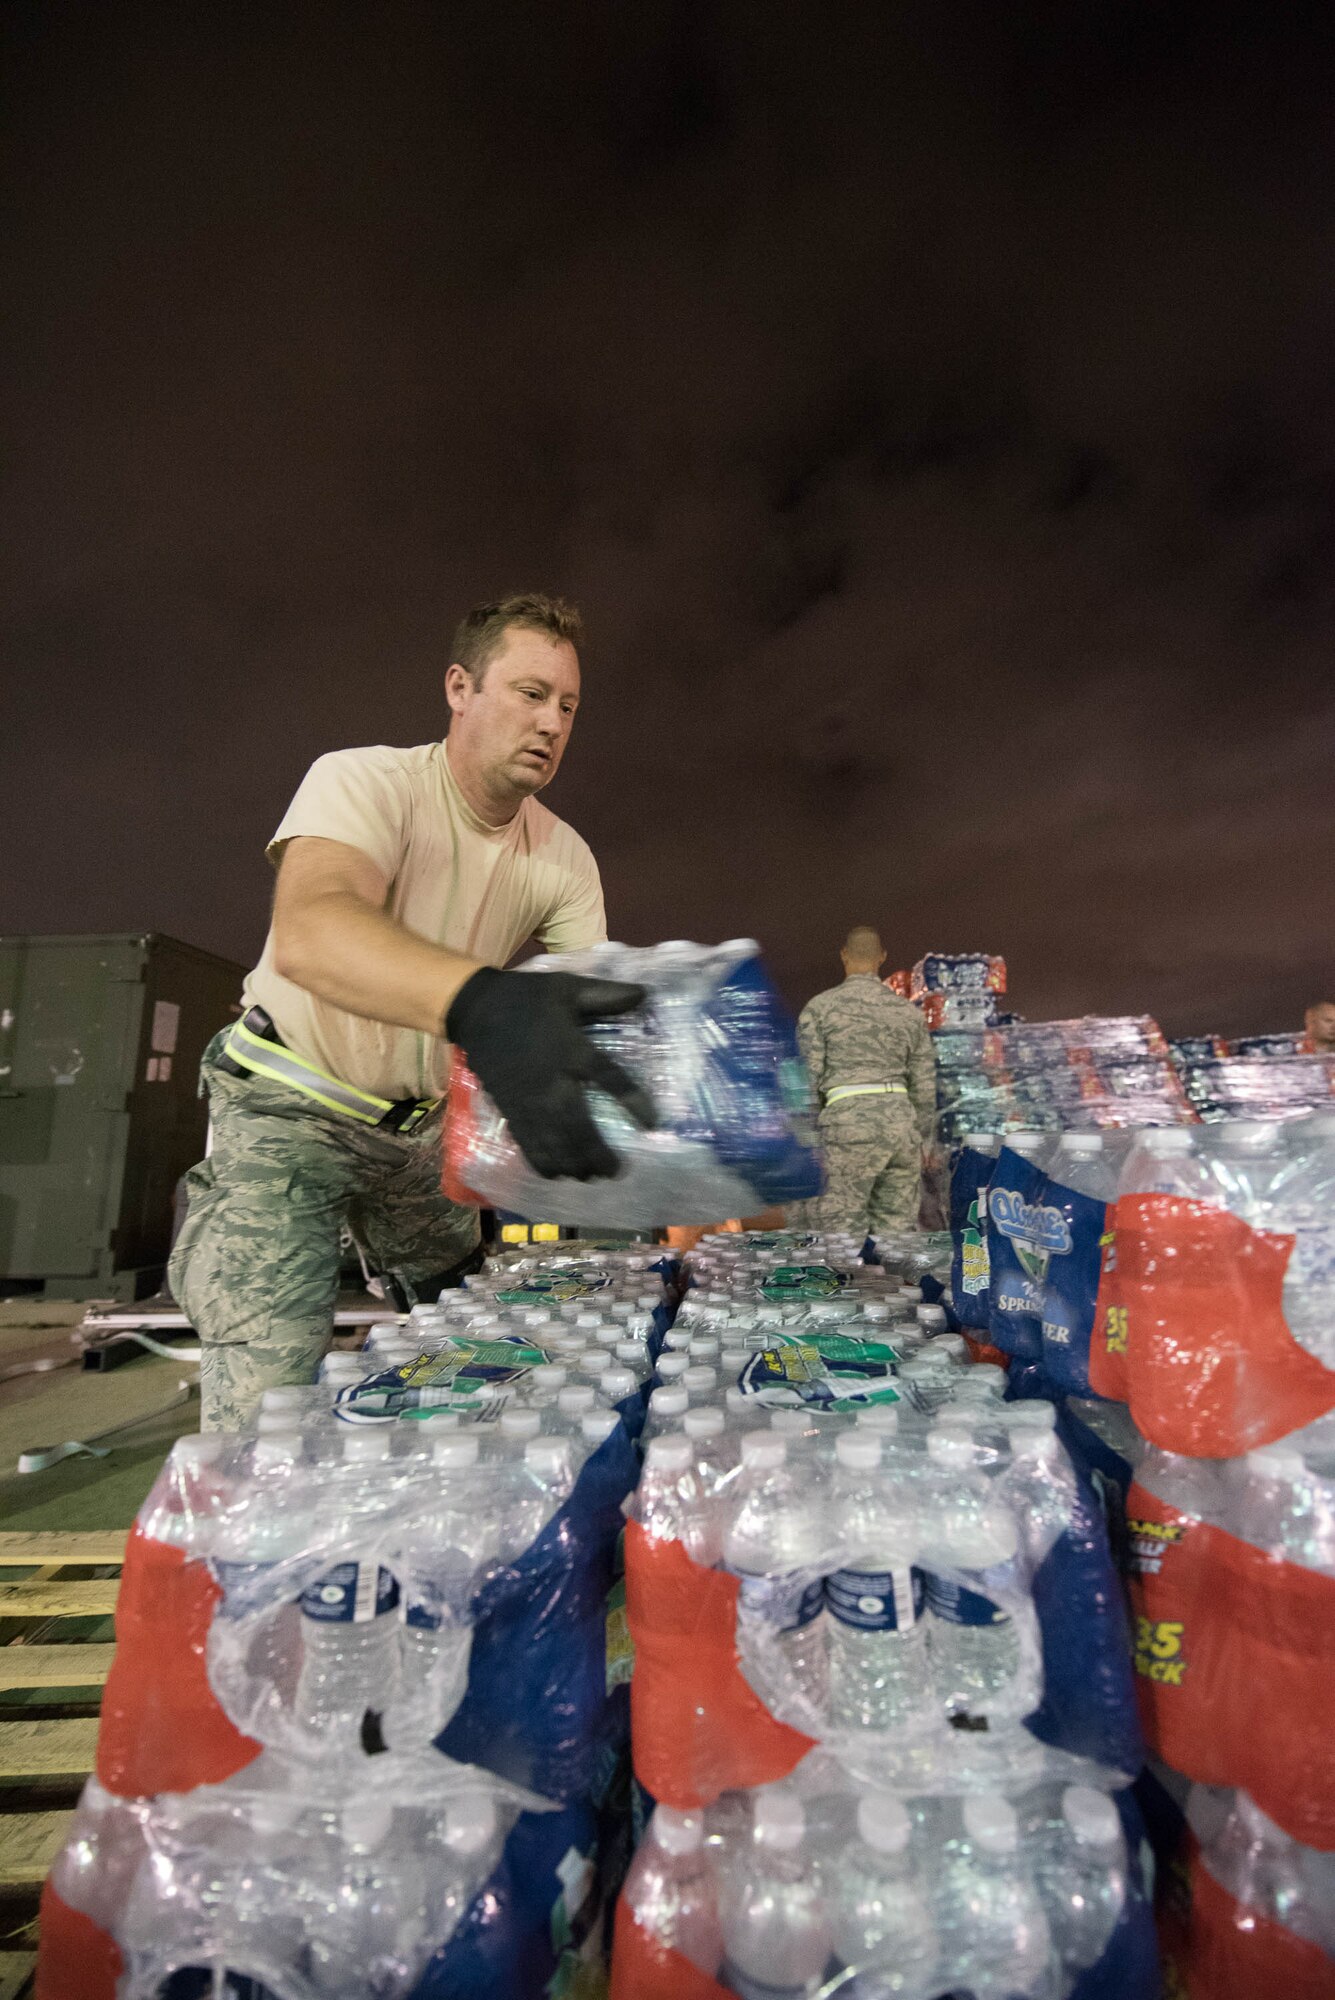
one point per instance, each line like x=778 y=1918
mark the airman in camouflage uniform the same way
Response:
x=871 y=1060
x=257 y=1260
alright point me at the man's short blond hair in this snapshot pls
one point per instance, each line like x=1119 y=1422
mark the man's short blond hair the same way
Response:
x=480 y=633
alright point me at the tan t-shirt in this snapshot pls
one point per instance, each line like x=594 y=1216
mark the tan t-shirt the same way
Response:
x=476 y=889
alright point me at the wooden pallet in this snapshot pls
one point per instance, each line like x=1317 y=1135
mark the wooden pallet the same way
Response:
x=41 y=1656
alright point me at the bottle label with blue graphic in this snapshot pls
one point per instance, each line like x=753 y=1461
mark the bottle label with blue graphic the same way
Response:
x=786 y=1603
x=876 y=1600
x=957 y=1604
x=352 y=1593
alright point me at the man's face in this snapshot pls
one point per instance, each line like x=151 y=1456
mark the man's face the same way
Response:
x=1321 y=1024
x=516 y=725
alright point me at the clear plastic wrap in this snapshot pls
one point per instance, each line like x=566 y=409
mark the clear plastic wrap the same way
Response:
x=718 y=1053
x=819 y=1888
x=875 y=1587
x=1255 y=1085
x=327 y=1887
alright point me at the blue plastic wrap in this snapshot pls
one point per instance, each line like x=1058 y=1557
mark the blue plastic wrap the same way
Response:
x=1021 y=1236
x=969 y=1268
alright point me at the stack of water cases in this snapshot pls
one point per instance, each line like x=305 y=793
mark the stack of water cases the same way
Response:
x=958 y=990
x=366 y=1726
x=1176 y=1288
x=1099 y=1072
x=882 y=1702
x=1259 y=1076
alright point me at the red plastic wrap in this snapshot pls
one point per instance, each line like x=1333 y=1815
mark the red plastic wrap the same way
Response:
x=644 y=1969
x=460 y=1126
x=1233 y=1664
x=163 y=1728
x=1218 y=1947
x=697 y=1728
x=1190 y=1330
x=78 y=1961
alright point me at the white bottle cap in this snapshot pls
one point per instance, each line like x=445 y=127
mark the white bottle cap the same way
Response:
x=199 y=1448
x=631 y=1352
x=1249 y=1134
x=880 y=1417
x=677 y=1832
x=1082 y=1143
x=470 y=1823
x=596 y=1425
x=364 y=1446
x=1033 y=1442
x=286 y=1398
x=703 y=1347
x=1167 y=1139
x=911 y=1294
x=1276 y=1461
x=272 y=1423
x=671 y=1454
x=931 y=1316
x=454 y=1453
x=573 y=1402
x=699 y=1380
x=1026 y=1144
x=524 y=1423
x=875 y=1311
x=1091 y=1816
x=672 y=1366
x=762 y=1451
x=883 y=1822
x=778 y=1819
x=980 y=1142
x=538 y=1317
x=548 y=1457
x=588 y=1319
x=272 y=1451
x=649 y=1301
x=366 y=1822
x=860 y=1450
x=733 y=1359
x=616 y=1383
x=594 y=1361
x=990 y=1821
x=669 y=1402
x=952 y=1344
x=705 y=1423
x=951 y=1446
x=550 y=1375
x=792 y=1422
x=738 y=1401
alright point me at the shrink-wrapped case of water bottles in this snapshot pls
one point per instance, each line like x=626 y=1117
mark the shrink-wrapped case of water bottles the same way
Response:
x=882 y=1697
x=366 y=1726
x=1175 y=1286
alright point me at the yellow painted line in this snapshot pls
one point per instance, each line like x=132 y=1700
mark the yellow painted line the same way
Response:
x=29 y=1843
x=54 y=1666
x=56 y=1749
x=18 y=1550
x=81 y=1598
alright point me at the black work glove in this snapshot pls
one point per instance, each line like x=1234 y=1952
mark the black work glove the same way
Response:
x=524 y=1039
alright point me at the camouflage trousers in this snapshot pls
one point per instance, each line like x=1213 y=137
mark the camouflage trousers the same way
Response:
x=873 y=1166
x=255 y=1267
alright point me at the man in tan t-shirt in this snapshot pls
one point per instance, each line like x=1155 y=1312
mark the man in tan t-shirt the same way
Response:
x=406 y=878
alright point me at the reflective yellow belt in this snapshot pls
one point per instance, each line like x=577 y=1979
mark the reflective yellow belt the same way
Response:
x=865 y=1090
x=251 y=1049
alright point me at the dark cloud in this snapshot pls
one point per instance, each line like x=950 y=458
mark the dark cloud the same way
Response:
x=930 y=406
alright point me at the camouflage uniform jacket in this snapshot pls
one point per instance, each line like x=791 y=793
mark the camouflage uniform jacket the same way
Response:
x=861 y=1032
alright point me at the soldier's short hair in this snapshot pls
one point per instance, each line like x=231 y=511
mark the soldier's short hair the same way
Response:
x=478 y=635
x=863 y=942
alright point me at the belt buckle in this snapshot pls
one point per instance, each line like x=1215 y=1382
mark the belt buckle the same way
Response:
x=415 y=1116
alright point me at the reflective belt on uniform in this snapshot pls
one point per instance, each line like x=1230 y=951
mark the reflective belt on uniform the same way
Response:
x=865 y=1090
x=252 y=1047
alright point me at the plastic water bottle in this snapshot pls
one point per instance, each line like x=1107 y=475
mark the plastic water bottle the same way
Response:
x=671 y=1892
x=882 y=1925
x=1083 y=1874
x=457 y=1537
x=974 y=1646
x=672 y=1503
x=776 y=1543
x=1164 y=1160
x=349 y=1627
x=1286 y=1507
x=1303 y=1203
x=1004 y=1947
x=373 y=1905
x=775 y=1931
x=878 y=1666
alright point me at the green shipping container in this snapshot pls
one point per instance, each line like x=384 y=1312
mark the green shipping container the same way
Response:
x=100 y=1041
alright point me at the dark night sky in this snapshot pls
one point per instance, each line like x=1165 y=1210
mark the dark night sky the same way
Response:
x=930 y=404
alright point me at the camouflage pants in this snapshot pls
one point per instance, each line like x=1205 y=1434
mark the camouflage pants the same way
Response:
x=873 y=1166
x=255 y=1267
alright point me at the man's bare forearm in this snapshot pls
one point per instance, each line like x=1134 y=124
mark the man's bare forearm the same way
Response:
x=344 y=950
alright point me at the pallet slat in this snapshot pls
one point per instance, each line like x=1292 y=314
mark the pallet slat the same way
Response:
x=29 y=1843
x=82 y=1598
x=56 y=1749
x=20 y=1550
x=16 y=1970
x=54 y=1666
